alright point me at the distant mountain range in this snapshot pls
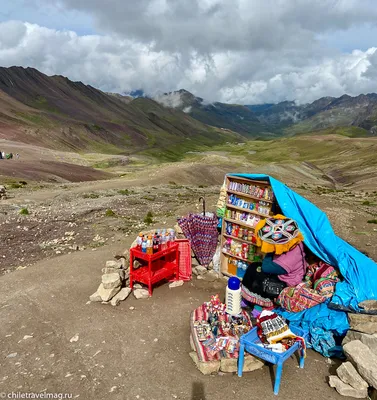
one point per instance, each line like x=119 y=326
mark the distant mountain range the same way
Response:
x=55 y=112
x=358 y=115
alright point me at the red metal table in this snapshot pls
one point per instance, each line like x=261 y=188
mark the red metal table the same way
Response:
x=161 y=265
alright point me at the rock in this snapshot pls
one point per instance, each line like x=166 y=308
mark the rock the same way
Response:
x=348 y=374
x=122 y=295
x=178 y=229
x=111 y=281
x=175 y=284
x=206 y=368
x=137 y=264
x=12 y=355
x=141 y=294
x=107 y=294
x=95 y=297
x=369 y=340
x=138 y=286
x=74 y=338
x=210 y=276
x=346 y=390
x=360 y=355
x=369 y=305
x=199 y=270
x=230 y=364
x=113 y=264
x=363 y=323
x=120 y=272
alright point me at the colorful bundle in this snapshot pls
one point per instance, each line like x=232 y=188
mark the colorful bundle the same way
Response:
x=202 y=232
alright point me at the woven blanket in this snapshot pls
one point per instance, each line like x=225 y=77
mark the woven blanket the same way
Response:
x=201 y=314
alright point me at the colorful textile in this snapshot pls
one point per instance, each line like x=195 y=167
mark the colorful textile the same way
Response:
x=272 y=329
x=294 y=263
x=299 y=298
x=203 y=234
x=206 y=350
x=319 y=285
x=277 y=234
x=255 y=298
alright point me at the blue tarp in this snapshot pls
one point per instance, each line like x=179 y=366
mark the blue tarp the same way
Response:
x=359 y=271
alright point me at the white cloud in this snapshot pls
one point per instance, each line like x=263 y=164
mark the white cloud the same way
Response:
x=241 y=51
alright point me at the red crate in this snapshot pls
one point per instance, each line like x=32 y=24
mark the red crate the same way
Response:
x=184 y=262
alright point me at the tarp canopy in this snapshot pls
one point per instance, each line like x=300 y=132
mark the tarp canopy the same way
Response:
x=359 y=272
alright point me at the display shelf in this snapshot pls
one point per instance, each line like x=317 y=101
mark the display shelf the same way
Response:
x=238 y=258
x=226 y=273
x=240 y=240
x=248 y=196
x=235 y=221
x=248 y=180
x=247 y=211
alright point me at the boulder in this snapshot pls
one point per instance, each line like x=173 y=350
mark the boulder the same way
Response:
x=206 y=368
x=210 y=276
x=348 y=374
x=199 y=270
x=175 y=284
x=346 y=390
x=369 y=340
x=122 y=295
x=364 y=360
x=120 y=272
x=369 y=305
x=231 y=364
x=95 y=297
x=107 y=294
x=111 y=281
x=141 y=294
x=365 y=323
x=114 y=264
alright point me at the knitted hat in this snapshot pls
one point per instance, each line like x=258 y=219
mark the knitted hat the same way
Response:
x=277 y=234
x=273 y=328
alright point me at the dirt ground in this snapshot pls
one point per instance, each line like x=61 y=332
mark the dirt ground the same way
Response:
x=51 y=262
x=121 y=353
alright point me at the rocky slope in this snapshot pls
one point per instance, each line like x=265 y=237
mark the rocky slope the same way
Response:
x=61 y=114
x=359 y=112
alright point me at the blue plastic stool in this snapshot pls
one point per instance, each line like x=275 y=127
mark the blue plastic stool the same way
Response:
x=249 y=342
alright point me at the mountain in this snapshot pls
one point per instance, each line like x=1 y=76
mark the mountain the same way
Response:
x=55 y=112
x=357 y=114
x=232 y=117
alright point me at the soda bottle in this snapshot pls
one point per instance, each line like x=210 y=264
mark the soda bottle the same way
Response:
x=139 y=241
x=150 y=245
x=144 y=245
x=155 y=243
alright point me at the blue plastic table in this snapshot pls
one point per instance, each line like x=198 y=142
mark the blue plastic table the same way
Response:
x=249 y=342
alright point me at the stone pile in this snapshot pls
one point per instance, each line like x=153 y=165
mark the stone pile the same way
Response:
x=358 y=376
x=3 y=192
x=114 y=286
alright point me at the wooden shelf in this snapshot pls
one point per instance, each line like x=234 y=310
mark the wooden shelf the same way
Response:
x=238 y=258
x=234 y=221
x=248 y=180
x=249 y=196
x=226 y=273
x=248 y=211
x=241 y=240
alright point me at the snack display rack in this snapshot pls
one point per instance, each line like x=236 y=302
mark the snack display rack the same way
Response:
x=247 y=202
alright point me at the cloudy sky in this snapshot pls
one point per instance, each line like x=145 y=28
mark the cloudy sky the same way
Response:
x=241 y=51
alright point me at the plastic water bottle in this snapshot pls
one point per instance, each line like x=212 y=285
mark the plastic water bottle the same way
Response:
x=233 y=296
x=144 y=246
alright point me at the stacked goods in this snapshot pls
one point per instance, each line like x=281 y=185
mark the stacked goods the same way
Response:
x=152 y=243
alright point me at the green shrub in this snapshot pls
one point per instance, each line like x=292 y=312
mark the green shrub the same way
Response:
x=124 y=192
x=91 y=196
x=148 y=218
x=24 y=211
x=372 y=221
x=366 y=203
x=110 y=213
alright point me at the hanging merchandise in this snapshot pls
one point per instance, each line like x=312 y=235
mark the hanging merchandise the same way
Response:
x=202 y=232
